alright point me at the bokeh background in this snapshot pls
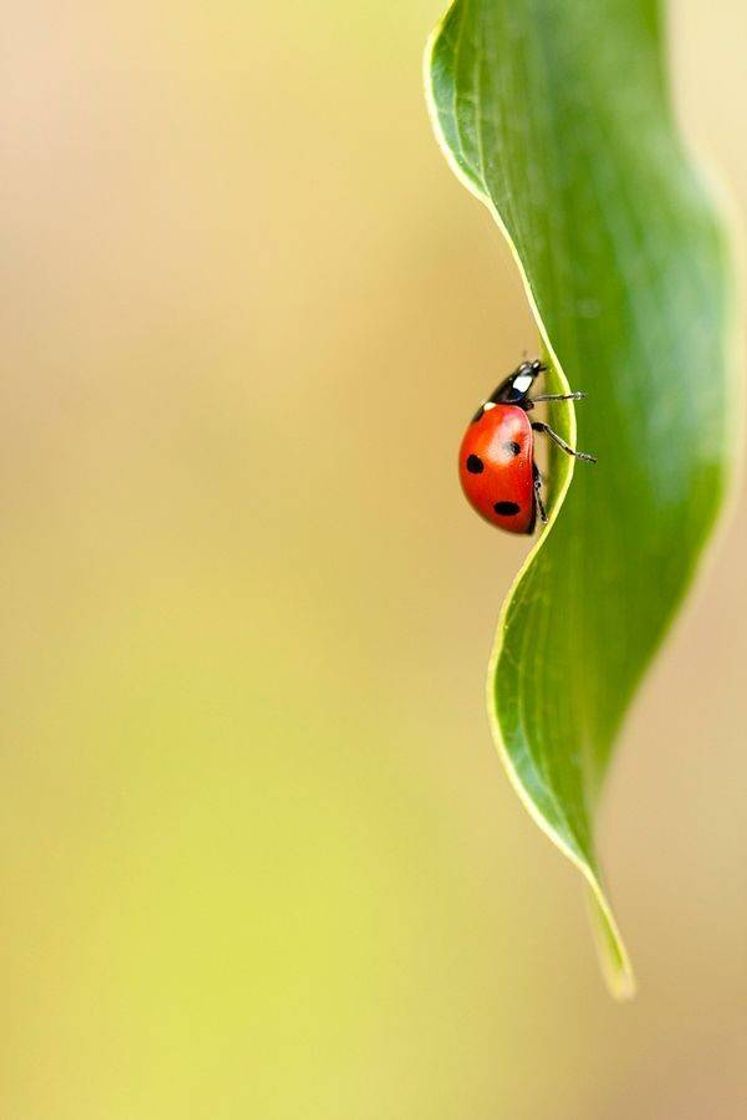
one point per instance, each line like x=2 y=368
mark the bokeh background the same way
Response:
x=259 y=859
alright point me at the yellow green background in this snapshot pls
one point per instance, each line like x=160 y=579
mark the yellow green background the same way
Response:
x=259 y=859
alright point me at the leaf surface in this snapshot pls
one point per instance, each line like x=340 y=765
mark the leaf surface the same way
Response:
x=556 y=114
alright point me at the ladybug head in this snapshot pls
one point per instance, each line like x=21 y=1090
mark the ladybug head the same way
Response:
x=514 y=389
x=530 y=369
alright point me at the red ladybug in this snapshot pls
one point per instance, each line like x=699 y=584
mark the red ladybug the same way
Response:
x=496 y=461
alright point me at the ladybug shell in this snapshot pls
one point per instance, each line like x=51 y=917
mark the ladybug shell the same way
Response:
x=496 y=467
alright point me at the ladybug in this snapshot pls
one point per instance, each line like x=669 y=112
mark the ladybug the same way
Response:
x=497 y=470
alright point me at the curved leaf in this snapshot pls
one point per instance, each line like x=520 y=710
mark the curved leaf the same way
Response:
x=555 y=113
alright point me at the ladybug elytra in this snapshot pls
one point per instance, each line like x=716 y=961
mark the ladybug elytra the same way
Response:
x=497 y=470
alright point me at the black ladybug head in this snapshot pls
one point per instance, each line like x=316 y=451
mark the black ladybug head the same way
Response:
x=515 y=389
x=533 y=368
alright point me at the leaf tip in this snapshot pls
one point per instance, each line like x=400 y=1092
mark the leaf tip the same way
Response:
x=613 y=956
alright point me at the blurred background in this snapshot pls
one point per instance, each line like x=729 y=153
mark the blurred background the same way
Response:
x=259 y=858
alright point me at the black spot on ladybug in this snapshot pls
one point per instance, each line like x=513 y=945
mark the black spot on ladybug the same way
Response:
x=512 y=447
x=475 y=464
x=506 y=509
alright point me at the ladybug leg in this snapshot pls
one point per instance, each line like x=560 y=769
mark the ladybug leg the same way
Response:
x=579 y=396
x=538 y=494
x=539 y=426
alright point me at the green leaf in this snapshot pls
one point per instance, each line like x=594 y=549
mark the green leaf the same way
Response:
x=556 y=114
